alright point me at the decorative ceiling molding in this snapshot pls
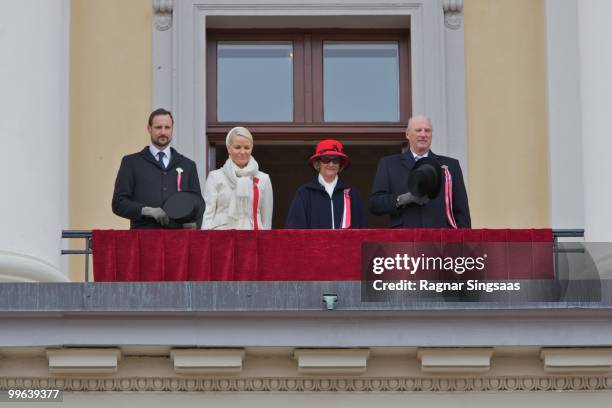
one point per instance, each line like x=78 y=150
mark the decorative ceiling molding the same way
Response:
x=520 y=384
x=453 y=13
x=162 y=14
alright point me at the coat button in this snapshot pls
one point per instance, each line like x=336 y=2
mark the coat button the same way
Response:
x=164 y=173
x=165 y=188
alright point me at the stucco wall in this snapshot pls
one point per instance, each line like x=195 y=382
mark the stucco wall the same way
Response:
x=110 y=99
x=507 y=116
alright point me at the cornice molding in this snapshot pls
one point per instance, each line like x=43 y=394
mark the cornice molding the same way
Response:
x=453 y=13
x=162 y=14
x=586 y=360
x=83 y=360
x=207 y=361
x=455 y=360
x=306 y=6
x=317 y=384
x=331 y=361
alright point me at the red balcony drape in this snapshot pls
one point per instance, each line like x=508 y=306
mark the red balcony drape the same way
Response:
x=277 y=255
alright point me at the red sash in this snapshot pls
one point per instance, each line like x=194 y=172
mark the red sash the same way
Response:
x=346 y=214
x=255 y=202
x=448 y=197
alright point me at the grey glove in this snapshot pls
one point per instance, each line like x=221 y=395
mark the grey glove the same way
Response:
x=409 y=198
x=157 y=213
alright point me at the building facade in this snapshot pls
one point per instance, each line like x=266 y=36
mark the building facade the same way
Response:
x=516 y=90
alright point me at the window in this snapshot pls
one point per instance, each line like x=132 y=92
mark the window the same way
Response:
x=306 y=83
x=360 y=81
x=255 y=81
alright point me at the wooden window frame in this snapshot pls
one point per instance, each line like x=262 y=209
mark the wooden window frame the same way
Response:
x=308 y=121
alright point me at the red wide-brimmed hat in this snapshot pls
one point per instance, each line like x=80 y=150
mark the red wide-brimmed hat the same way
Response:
x=330 y=147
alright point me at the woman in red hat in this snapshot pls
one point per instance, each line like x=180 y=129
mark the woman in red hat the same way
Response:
x=238 y=195
x=327 y=202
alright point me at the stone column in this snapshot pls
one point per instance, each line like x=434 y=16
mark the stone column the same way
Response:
x=456 y=115
x=596 y=91
x=564 y=114
x=34 y=39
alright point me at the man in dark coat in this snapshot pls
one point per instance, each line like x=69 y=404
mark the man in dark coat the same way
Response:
x=390 y=190
x=147 y=178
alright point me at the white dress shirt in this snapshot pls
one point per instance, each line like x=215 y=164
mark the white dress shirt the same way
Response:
x=419 y=156
x=168 y=152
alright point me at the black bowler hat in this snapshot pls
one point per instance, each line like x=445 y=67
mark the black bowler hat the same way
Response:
x=184 y=206
x=425 y=179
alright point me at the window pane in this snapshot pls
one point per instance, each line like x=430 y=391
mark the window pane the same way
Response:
x=361 y=81
x=255 y=81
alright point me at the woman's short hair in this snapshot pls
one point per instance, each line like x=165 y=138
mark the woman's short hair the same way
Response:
x=238 y=131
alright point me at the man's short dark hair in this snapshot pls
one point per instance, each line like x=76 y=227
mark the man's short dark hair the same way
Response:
x=160 y=112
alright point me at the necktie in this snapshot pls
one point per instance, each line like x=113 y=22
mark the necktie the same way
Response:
x=160 y=159
x=417 y=158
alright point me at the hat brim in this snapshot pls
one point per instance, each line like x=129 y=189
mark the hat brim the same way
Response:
x=425 y=178
x=184 y=207
x=343 y=165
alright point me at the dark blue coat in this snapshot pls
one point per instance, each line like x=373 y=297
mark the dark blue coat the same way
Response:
x=391 y=180
x=311 y=208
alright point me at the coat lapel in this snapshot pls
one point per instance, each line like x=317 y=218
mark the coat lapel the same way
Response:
x=407 y=160
x=174 y=159
x=340 y=185
x=146 y=153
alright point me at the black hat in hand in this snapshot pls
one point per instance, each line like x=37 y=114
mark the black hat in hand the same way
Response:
x=425 y=178
x=184 y=207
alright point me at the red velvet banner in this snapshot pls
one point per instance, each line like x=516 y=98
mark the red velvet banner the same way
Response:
x=296 y=255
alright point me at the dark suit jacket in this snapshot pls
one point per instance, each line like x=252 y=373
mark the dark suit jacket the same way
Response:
x=142 y=182
x=392 y=180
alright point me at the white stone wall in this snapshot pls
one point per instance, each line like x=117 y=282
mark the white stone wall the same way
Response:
x=34 y=39
x=564 y=115
x=595 y=55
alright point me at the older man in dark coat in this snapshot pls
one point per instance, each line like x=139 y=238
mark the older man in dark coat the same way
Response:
x=390 y=195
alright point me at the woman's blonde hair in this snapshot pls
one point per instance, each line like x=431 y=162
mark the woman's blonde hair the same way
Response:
x=238 y=131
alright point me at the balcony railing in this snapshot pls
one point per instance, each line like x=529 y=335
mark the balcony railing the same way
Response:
x=86 y=235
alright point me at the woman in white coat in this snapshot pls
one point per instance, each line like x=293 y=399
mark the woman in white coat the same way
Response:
x=238 y=195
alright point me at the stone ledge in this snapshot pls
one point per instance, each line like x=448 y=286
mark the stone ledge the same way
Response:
x=287 y=296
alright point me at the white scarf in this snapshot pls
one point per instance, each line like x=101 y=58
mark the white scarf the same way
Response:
x=241 y=182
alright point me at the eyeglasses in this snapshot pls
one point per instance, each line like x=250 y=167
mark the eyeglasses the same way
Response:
x=327 y=160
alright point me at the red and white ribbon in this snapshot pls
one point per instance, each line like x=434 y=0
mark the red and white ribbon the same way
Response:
x=255 y=202
x=179 y=173
x=448 y=197
x=346 y=213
